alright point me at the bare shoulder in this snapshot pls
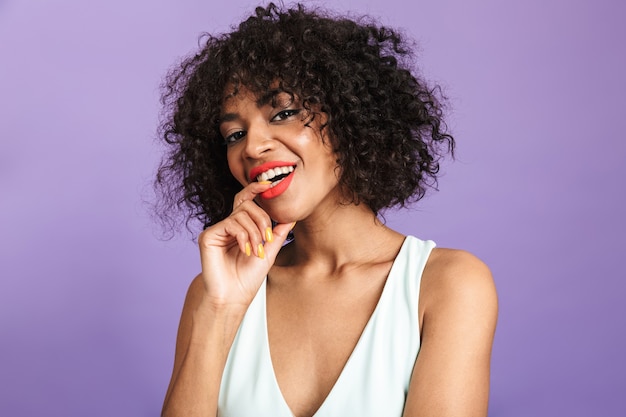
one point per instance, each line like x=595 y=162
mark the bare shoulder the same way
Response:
x=458 y=313
x=458 y=278
x=195 y=291
x=192 y=301
x=452 y=262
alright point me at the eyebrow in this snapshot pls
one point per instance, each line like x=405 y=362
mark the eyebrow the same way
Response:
x=273 y=97
x=269 y=98
x=227 y=117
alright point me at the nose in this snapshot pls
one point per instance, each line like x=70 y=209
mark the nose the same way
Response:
x=258 y=140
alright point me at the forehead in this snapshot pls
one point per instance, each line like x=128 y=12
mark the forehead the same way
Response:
x=235 y=96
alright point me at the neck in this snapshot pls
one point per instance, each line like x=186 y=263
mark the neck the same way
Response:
x=346 y=235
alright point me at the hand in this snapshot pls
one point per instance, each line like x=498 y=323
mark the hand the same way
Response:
x=238 y=252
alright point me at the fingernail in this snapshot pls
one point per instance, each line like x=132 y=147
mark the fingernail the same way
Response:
x=261 y=251
x=248 y=249
x=293 y=225
x=269 y=236
x=265 y=182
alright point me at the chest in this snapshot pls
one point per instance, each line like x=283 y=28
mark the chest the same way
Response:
x=312 y=333
x=334 y=357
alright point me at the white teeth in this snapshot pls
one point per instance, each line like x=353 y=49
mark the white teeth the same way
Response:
x=274 y=184
x=273 y=172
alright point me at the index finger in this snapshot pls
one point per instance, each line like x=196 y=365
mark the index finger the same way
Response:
x=250 y=191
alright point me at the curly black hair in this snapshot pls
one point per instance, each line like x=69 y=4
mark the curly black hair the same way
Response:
x=385 y=123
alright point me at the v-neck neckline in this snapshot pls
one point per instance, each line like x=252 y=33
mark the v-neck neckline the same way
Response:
x=355 y=350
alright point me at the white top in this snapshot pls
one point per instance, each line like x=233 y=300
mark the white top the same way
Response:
x=375 y=379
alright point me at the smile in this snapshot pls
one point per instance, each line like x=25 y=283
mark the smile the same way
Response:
x=279 y=185
x=280 y=173
x=271 y=171
x=275 y=174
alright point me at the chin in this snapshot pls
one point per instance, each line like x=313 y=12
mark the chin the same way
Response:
x=281 y=216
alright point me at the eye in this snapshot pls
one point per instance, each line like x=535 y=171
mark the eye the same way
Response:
x=285 y=114
x=234 y=137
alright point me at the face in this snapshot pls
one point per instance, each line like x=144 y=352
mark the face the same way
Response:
x=272 y=140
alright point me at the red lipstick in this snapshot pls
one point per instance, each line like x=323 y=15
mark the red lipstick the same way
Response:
x=256 y=171
x=279 y=188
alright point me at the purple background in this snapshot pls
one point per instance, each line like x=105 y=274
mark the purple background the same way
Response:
x=90 y=298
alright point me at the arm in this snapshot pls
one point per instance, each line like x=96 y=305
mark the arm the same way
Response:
x=204 y=339
x=458 y=306
x=217 y=300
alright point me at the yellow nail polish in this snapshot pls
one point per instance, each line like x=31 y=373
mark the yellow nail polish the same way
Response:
x=265 y=182
x=248 y=249
x=269 y=236
x=261 y=251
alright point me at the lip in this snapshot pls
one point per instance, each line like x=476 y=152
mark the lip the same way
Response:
x=279 y=188
x=256 y=171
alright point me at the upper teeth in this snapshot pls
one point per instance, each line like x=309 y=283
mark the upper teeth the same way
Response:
x=272 y=172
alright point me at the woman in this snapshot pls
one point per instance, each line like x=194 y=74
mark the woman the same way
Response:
x=287 y=138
